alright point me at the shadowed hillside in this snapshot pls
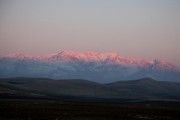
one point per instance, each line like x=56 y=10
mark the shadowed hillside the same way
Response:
x=145 y=88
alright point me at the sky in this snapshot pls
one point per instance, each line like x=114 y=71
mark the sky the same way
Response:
x=142 y=28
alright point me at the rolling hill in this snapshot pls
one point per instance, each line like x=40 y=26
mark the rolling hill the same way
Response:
x=146 y=88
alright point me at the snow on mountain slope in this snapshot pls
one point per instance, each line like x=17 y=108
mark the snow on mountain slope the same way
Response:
x=96 y=66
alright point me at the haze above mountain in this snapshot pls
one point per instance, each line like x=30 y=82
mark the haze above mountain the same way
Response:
x=93 y=66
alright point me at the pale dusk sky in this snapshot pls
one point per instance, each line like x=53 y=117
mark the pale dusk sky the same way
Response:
x=142 y=28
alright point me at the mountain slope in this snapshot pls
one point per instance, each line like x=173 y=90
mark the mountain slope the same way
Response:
x=61 y=87
x=146 y=88
x=94 y=66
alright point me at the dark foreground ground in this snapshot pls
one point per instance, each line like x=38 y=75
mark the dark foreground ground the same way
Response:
x=46 y=109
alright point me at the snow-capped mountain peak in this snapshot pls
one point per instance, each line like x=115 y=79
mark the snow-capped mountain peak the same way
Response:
x=18 y=55
x=98 y=66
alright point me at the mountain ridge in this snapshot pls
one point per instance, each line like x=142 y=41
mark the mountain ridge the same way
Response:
x=97 y=66
x=87 y=56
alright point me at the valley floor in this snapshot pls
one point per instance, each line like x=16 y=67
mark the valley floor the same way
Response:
x=34 y=109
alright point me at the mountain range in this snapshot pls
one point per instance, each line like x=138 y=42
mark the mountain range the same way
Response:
x=142 y=89
x=92 y=66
